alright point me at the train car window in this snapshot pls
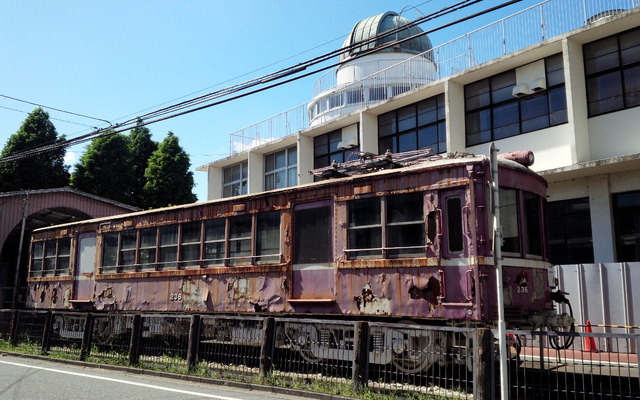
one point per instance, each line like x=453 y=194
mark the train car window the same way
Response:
x=312 y=235
x=49 y=258
x=214 y=238
x=190 y=244
x=109 y=252
x=168 y=246
x=128 y=242
x=532 y=211
x=365 y=228
x=37 y=256
x=405 y=225
x=509 y=221
x=240 y=240
x=268 y=238
x=64 y=255
x=454 y=225
x=147 y=251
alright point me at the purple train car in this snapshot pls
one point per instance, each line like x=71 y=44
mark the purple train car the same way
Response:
x=405 y=236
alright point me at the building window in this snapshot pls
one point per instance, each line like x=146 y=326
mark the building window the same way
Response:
x=417 y=126
x=281 y=169
x=235 y=180
x=387 y=227
x=612 y=68
x=493 y=113
x=326 y=151
x=51 y=257
x=626 y=211
x=570 y=240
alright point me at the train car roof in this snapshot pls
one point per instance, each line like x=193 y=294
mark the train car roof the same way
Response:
x=430 y=161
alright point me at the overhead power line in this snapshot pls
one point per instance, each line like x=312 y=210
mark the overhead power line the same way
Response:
x=269 y=80
x=53 y=108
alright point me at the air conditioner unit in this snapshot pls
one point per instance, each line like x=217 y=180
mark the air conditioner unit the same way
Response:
x=520 y=90
x=539 y=84
x=348 y=144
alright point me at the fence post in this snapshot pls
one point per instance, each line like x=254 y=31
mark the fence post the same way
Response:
x=484 y=382
x=13 y=330
x=48 y=323
x=134 y=344
x=87 y=335
x=268 y=345
x=360 y=374
x=194 y=340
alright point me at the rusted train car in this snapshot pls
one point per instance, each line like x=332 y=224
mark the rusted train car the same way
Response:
x=406 y=236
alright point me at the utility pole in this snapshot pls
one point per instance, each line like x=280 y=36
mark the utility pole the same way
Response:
x=497 y=260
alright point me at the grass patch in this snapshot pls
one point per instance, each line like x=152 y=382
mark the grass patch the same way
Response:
x=178 y=365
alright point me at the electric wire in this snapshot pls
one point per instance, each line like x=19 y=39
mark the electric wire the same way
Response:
x=53 y=108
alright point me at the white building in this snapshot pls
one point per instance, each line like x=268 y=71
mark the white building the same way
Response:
x=561 y=83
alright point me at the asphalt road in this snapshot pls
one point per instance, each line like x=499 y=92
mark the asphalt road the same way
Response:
x=26 y=378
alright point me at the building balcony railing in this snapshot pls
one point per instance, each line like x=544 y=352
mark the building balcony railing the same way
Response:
x=533 y=25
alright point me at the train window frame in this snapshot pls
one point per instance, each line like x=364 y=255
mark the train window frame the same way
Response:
x=110 y=251
x=404 y=227
x=168 y=247
x=454 y=223
x=316 y=250
x=378 y=231
x=147 y=249
x=241 y=239
x=263 y=252
x=37 y=258
x=514 y=216
x=59 y=258
x=190 y=242
x=215 y=241
x=128 y=253
x=359 y=232
x=533 y=225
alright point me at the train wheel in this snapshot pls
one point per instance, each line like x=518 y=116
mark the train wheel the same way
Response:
x=414 y=351
x=303 y=339
x=103 y=330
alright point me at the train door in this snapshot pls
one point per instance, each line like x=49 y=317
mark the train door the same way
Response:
x=85 y=268
x=456 y=246
x=313 y=271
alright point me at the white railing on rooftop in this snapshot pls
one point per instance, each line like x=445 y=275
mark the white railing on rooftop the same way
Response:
x=527 y=27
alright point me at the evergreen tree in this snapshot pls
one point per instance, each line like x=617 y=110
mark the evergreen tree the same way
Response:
x=169 y=181
x=105 y=168
x=47 y=169
x=142 y=146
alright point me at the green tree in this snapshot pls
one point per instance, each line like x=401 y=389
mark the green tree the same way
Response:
x=141 y=146
x=105 y=168
x=47 y=169
x=169 y=181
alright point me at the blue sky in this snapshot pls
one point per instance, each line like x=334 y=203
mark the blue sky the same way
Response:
x=116 y=59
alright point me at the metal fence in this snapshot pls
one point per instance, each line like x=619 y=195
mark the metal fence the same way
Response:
x=532 y=25
x=340 y=357
x=570 y=365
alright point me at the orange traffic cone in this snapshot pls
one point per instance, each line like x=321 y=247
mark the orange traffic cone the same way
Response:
x=589 y=341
